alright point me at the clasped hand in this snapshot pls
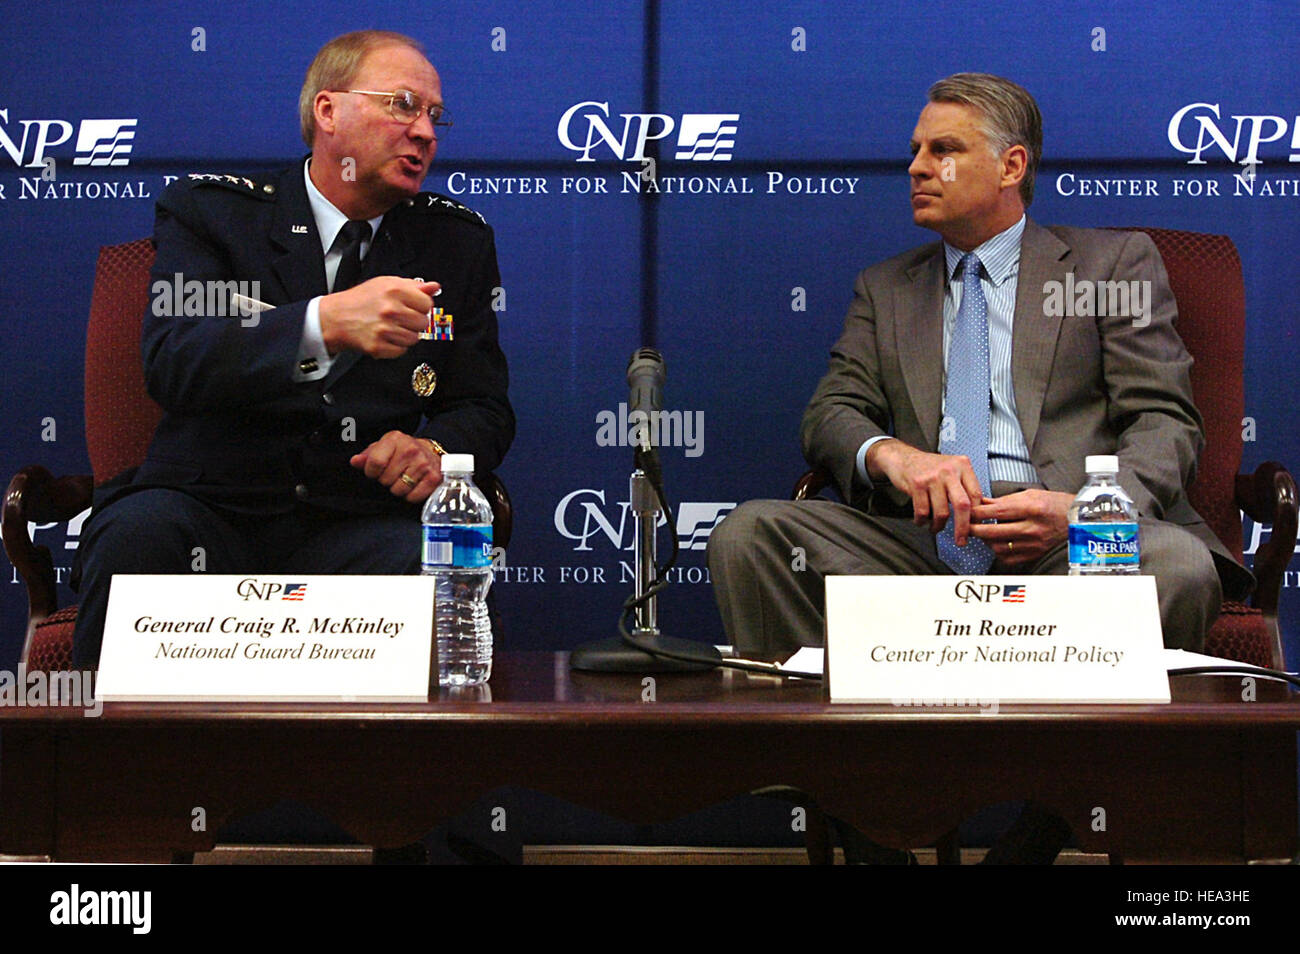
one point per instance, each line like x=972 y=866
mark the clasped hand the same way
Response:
x=396 y=456
x=1028 y=525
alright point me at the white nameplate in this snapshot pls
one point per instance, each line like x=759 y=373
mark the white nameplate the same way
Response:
x=276 y=638
x=929 y=641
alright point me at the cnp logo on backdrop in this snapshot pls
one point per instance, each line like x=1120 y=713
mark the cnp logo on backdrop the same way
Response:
x=1199 y=127
x=701 y=137
x=100 y=142
x=583 y=514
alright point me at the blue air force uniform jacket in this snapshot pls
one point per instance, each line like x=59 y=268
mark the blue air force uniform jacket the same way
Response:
x=238 y=430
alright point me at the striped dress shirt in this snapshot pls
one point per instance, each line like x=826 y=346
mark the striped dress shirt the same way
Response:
x=1000 y=255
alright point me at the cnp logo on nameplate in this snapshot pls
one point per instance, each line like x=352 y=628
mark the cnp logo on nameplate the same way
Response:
x=275 y=638
x=981 y=641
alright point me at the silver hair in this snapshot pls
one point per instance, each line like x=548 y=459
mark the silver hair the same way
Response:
x=1009 y=116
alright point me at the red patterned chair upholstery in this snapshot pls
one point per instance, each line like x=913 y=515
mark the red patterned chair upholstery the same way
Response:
x=1205 y=277
x=120 y=421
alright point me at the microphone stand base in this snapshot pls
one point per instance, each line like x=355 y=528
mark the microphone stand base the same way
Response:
x=614 y=655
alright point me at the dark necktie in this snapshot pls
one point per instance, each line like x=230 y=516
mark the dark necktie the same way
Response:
x=966 y=405
x=349 y=242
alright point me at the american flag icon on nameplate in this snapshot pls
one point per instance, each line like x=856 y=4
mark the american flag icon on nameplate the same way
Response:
x=1013 y=594
x=294 y=591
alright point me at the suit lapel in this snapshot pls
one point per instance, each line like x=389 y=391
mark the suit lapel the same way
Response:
x=918 y=330
x=391 y=253
x=1043 y=258
x=300 y=266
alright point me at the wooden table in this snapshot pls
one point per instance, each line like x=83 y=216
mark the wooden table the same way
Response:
x=1208 y=777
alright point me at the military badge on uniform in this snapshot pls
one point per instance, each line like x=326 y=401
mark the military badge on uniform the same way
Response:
x=441 y=324
x=439 y=328
x=423 y=380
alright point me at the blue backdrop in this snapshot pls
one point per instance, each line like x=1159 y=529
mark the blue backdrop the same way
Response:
x=742 y=284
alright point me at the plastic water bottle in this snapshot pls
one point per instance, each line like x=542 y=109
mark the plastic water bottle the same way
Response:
x=1103 y=523
x=457 y=552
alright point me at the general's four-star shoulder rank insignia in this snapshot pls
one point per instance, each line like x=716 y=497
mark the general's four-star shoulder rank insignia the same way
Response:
x=222 y=179
x=435 y=202
x=423 y=380
x=238 y=183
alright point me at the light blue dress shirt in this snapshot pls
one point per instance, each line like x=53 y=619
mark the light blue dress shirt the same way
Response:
x=1008 y=454
x=329 y=222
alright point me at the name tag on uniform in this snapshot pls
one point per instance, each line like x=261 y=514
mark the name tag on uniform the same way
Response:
x=934 y=641
x=195 y=637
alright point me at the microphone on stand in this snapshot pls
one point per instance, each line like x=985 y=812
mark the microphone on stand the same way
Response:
x=646 y=373
x=645 y=381
x=640 y=650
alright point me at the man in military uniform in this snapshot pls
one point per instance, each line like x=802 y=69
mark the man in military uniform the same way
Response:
x=303 y=437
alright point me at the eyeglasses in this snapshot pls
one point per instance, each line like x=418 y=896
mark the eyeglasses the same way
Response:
x=405 y=107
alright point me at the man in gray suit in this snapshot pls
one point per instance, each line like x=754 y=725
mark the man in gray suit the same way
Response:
x=892 y=419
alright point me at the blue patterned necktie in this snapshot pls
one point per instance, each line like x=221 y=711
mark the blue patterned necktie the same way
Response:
x=966 y=409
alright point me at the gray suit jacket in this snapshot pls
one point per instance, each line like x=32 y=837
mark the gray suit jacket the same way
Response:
x=1083 y=385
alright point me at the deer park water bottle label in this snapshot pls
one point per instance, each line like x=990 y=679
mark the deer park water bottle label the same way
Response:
x=1104 y=544
x=465 y=545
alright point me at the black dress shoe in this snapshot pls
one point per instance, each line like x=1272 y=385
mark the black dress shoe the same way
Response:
x=861 y=850
x=1036 y=838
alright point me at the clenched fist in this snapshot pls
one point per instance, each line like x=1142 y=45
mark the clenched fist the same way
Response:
x=381 y=317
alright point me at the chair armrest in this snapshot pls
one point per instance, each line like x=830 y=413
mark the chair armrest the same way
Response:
x=1269 y=496
x=36 y=496
x=811 y=484
x=503 y=514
